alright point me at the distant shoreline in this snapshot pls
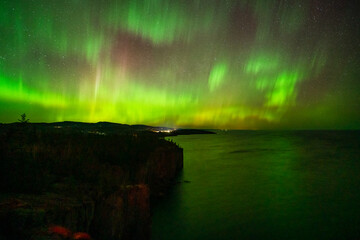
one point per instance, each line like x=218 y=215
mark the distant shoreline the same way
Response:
x=190 y=132
x=109 y=128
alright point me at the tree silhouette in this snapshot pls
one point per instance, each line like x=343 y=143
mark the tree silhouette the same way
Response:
x=23 y=119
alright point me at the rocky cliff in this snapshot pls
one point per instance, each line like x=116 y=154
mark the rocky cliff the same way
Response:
x=86 y=192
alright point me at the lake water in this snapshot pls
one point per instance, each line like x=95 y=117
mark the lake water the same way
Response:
x=264 y=185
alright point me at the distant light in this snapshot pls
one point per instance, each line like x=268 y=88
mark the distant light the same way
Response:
x=164 y=131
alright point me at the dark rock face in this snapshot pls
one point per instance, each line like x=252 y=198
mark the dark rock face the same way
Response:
x=124 y=214
x=107 y=197
x=163 y=165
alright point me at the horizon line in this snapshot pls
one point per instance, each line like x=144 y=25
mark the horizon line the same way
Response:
x=200 y=128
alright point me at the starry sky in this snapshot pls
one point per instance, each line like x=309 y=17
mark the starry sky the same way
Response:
x=229 y=64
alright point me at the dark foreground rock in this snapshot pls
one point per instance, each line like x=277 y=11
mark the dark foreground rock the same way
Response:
x=56 y=186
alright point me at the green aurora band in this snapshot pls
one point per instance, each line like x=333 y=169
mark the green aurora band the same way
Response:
x=201 y=63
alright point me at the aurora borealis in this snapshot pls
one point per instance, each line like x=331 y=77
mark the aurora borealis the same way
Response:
x=180 y=63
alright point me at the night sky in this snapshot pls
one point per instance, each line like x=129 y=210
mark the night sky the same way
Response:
x=180 y=63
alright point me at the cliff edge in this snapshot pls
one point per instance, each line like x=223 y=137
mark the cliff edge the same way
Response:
x=58 y=185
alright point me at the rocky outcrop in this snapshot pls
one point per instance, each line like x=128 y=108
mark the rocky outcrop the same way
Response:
x=118 y=212
x=29 y=216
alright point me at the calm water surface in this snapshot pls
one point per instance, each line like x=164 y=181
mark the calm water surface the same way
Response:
x=264 y=185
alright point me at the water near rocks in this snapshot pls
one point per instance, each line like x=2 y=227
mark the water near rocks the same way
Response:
x=264 y=185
